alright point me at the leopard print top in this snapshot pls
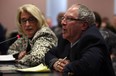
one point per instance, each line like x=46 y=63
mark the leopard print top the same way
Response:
x=42 y=42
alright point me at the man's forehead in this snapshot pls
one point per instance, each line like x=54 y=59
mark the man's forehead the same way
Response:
x=72 y=11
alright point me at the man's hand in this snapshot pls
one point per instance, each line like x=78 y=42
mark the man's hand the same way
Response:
x=60 y=64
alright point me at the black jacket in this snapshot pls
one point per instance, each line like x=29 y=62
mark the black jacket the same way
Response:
x=89 y=57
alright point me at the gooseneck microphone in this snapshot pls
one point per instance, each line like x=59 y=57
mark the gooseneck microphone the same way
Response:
x=18 y=36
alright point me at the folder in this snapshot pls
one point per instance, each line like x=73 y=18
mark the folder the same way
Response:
x=39 y=68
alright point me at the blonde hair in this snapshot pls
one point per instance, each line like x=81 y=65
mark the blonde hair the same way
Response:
x=35 y=12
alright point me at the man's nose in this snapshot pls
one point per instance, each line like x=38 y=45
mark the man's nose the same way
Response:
x=63 y=22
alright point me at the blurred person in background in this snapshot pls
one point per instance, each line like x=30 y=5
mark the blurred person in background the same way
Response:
x=107 y=33
x=98 y=19
x=105 y=22
x=57 y=29
x=113 y=24
x=49 y=22
x=109 y=36
x=3 y=45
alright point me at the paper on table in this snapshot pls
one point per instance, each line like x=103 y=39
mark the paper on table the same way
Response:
x=39 y=68
x=6 y=58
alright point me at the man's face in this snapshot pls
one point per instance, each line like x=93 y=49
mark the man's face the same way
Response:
x=29 y=24
x=71 y=26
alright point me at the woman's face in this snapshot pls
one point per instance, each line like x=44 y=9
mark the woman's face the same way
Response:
x=28 y=24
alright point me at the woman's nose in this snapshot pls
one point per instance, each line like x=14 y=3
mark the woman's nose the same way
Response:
x=27 y=23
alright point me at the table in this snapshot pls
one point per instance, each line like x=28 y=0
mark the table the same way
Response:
x=27 y=74
x=8 y=69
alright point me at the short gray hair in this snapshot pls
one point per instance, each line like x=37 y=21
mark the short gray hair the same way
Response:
x=86 y=14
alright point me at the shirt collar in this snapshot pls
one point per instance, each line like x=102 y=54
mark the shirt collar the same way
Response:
x=73 y=44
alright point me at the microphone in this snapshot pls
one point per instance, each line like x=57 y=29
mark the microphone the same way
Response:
x=18 y=36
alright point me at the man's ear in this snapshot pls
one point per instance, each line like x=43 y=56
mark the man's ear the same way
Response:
x=85 y=26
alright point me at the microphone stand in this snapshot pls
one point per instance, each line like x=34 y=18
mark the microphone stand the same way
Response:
x=18 y=36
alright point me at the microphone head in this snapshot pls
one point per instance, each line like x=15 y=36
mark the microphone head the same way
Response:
x=18 y=36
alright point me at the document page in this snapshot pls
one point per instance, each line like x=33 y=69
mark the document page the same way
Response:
x=7 y=58
x=39 y=68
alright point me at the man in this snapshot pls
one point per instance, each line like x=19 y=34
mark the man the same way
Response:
x=87 y=53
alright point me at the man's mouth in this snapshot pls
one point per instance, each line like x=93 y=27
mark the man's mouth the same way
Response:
x=63 y=30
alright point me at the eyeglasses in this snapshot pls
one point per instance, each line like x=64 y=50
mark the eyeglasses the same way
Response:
x=68 y=19
x=30 y=20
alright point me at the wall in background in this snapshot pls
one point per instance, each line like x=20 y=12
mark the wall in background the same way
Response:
x=53 y=7
x=115 y=6
x=8 y=9
x=103 y=7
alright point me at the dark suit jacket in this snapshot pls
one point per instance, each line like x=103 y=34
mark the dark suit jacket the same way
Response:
x=89 y=57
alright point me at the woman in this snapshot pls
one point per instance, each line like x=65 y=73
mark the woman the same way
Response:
x=37 y=38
